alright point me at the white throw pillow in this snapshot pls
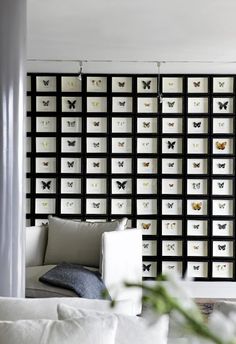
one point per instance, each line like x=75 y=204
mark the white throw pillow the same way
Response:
x=88 y=330
x=77 y=242
x=130 y=329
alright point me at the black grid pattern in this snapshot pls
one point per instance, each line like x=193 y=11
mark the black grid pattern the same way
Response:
x=108 y=146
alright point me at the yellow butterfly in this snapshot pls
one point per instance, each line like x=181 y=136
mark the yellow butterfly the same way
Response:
x=221 y=145
x=95 y=104
x=197 y=205
x=146 y=225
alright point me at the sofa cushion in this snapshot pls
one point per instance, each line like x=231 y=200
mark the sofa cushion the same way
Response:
x=12 y=309
x=130 y=329
x=36 y=241
x=85 y=330
x=77 y=242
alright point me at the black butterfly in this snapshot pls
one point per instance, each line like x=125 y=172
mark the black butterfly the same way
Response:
x=71 y=124
x=221 y=247
x=222 y=205
x=170 y=247
x=71 y=104
x=46 y=103
x=196 y=267
x=146 y=124
x=171 y=124
x=221 y=165
x=171 y=164
x=223 y=105
x=221 y=84
x=146 y=84
x=220 y=226
x=196 y=84
x=171 y=267
x=96 y=164
x=121 y=163
x=69 y=184
x=170 y=205
x=196 y=165
x=70 y=164
x=196 y=226
x=146 y=267
x=121 y=84
x=46 y=82
x=196 y=186
x=96 y=205
x=197 y=124
x=171 y=145
x=71 y=143
x=96 y=144
x=145 y=245
x=96 y=124
x=122 y=103
x=221 y=185
x=45 y=163
x=46 y=185
x=121 y=185
x=171 y=104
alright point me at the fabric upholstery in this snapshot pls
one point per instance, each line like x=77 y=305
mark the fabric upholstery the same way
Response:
x=36 y=241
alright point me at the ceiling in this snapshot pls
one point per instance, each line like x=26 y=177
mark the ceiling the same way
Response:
x=174 y=30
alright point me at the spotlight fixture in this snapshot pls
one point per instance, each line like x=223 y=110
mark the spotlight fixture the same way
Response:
x=80 y=70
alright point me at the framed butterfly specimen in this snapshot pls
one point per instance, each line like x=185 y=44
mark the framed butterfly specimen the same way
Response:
x=223 y=228
x=222 y=105
x=223 y=125
x=96 y=186
x=172 y=85
x=70 y=84
x=46 y=84
x=146 y=85
x=121 y=166
x=223 y=84
x=96 y=104
x=45 y=104
x=172 y=248
x=172 y=105
x=96 y=165
x=122 y=84
x=70 y=185
x=70 y=206
x=197 y=85
x=147 y=105
x=197 y=248
x=122 y=104
x=121 y=125
x=121 y=206
x=222 y=270
x=96 y=84
x=198 y=105
x=223 y=248
x=45 y=206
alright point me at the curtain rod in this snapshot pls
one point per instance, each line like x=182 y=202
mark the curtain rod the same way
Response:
x=128 y=61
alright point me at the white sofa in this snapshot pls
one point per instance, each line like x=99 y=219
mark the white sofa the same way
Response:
x=121 y=260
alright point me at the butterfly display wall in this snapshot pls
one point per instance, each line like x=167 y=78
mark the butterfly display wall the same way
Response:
x=105 y=147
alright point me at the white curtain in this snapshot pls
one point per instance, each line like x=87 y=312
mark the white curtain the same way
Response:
x=12 y=147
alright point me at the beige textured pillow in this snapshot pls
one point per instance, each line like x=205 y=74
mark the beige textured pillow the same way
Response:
x=77 y=242
x=88 y=330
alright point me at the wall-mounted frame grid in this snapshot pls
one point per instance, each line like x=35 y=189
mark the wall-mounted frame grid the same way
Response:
x=107 y=147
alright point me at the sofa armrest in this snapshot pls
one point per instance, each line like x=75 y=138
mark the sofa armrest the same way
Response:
x=121 y=261
x=36 y=242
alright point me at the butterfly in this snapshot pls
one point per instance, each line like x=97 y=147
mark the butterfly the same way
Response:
x=71 y=124
x=96 y=164
x=221 y=185
x=171 y=225
x=146 y=225
x=145 y=245
x=221 y=165
x=196 y=84
x=71 y=143
x=221 y=83
x=195 y=145
x=220 y=226
x=71 y=104
x=95 y=104
x=222 y=205
x=196 y=165
x=70 y=164
x=170 y=247
x=170 y=83
x=45 y=144
x=120 y=163
x=146 y=267
x=171 y=164
x=69 y=204
x=96 y=205
x=146 y=84
x=69 y=184
x=196 y=103
x=94 y=185
x=221 y=145
x=195 y=247
x=171 y=104
x=145 y=183
x=171 y=145
x=170 y=205
x=146 y=164
x=223 y=106
x=121 y=185
x=46 y=185
x=171 y=185
x=147 y=104
x=197 y=205
x=44 y=204
x=120 y=205
x=96 y=124
x=221 y=124
x=121 y=84
x=197 y=124
x=96 y=144
x=145 y=144
x=46 y=103
x=45 y=123
x=196 y=267
x=121 y=144
x=120 y=123
x=171 y=267
x=196 y=226
x=122 y=103
x=146 y=124
x=221 y=267
x=46 y=82
x=221 y=247
x=96 y=82
x=45 y=163
x=196 y=186
x=145 y=204
x=171 y=124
